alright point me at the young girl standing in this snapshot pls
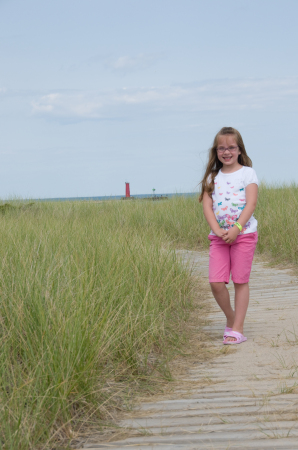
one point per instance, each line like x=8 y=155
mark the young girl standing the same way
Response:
x=229 y=196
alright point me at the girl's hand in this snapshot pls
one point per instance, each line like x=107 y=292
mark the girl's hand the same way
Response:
x=221 y=232
x=210 y=217
x=231 y=235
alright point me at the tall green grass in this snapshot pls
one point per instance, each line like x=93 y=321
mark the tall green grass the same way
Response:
x=92 y=296
x=277 y=213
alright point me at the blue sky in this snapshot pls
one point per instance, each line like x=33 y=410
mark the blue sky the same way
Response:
x=94 y=93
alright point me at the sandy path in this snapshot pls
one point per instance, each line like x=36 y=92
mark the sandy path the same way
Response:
x=252 y=401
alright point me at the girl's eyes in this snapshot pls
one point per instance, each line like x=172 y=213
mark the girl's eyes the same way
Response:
x=232 y=148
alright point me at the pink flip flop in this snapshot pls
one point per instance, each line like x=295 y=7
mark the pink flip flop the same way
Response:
x=238 y=336
x=227 y=330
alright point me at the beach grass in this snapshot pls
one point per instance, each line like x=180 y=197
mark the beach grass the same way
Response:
x=93 y=302
x=277 y=214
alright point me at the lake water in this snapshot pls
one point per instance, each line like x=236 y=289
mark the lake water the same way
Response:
x=115 y=197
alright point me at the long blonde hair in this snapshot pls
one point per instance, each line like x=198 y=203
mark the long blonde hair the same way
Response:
x=214 y=165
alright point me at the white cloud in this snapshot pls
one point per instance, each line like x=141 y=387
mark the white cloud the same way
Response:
x=217 y=95
x=72 y=105
x=133 y=63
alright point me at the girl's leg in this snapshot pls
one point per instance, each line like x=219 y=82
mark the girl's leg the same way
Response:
x=219 y=275
x=222 y=296
x=242 y=252
x=241 y=305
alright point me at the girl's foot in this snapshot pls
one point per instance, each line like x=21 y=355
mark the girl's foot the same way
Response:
x=234 y=337
x=230 y=337
x=229 y=326
x=227 y=330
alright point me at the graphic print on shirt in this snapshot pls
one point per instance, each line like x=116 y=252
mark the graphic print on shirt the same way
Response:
x=228 y=208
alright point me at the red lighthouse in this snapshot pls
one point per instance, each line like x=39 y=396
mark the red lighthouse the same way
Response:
x=127 y=190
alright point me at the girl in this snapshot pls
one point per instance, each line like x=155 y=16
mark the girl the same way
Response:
x=229 y=196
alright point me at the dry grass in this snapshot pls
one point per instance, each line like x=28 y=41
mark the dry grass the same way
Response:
x=94 y=305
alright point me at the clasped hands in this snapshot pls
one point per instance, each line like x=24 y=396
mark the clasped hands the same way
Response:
x=230 y=235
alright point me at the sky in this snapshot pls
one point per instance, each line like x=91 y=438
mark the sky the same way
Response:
x=96 y=93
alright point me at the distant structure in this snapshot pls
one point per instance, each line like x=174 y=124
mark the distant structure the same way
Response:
x=157 y=197
x=127 y=193
x=153 y=197
x=127 y=190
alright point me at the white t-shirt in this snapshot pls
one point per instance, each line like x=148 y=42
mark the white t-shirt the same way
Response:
x=229 y=198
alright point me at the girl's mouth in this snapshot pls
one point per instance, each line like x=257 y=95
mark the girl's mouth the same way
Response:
x=227 y=158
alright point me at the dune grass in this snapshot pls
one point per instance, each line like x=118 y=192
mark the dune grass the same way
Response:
x=93 y=298
x=277 y=213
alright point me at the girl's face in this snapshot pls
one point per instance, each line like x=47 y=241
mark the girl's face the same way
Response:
x=228 y=152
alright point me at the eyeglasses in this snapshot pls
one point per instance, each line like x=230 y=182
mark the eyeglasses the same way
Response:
x=233 y=148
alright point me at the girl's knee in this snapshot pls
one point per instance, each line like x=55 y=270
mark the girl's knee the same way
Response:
x=218 y=286
x=240 y=285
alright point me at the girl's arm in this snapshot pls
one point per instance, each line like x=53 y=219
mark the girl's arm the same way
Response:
x=210 y=217
x=251 y=194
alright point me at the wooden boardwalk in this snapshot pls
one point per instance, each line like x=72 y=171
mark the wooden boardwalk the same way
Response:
x=252 y=402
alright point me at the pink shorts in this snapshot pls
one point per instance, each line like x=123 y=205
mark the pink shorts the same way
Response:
x=235 y=258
